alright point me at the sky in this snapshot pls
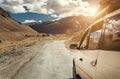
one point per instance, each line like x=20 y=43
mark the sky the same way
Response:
x=48 y=10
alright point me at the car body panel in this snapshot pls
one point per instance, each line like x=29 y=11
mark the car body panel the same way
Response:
x=82 y=73
x=108 y=65
x=87 y=57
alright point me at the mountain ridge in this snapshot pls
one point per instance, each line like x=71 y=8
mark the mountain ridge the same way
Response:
x=66 y=25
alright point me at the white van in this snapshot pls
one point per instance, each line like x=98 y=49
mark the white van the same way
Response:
x=98 y=54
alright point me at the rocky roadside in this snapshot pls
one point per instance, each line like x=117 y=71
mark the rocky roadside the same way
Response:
x=16 y=55
x=12 y=60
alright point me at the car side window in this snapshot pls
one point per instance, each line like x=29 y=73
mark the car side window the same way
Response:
x=94 y=39
x=112 y=34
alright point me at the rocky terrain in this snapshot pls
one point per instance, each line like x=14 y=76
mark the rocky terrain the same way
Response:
x=11 y=30
x=15 y=56
x=66 y=25
x=13 y=37
x=11 y=61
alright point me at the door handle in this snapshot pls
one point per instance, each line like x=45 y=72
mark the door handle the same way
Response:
x=93 y=63
x=81 y=59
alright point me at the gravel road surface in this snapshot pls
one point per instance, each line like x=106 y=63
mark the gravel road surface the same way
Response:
x=53 y=61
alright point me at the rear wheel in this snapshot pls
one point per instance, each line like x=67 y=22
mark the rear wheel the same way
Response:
x=75 y=76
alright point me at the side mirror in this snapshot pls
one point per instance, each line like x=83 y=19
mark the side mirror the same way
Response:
x=73 y=46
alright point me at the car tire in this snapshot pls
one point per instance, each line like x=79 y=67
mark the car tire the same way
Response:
x=75 y=76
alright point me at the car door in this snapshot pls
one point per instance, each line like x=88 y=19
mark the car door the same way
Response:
x=108 y=64
x=87 y=56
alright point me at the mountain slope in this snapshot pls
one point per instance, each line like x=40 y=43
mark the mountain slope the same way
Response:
x=11 y=29
x=63 y=26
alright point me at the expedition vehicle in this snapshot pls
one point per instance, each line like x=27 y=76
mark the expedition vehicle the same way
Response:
x=98 y=54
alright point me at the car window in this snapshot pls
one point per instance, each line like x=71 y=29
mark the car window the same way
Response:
x=92 y=36
x=94 y=39
x=112 y=34
x=91 y=40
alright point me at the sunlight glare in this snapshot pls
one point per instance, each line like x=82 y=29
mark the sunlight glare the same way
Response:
x=92 y=11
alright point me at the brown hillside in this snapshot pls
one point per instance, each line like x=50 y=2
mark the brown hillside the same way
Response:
x=11 y=29
x=63 y=26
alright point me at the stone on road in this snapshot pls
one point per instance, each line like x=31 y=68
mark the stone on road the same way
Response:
x=53 y=61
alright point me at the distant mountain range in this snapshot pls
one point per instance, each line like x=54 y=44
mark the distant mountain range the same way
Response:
x=11 y=29
x=66 y=25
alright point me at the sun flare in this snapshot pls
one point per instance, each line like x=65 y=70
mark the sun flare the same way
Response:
x=92 y=11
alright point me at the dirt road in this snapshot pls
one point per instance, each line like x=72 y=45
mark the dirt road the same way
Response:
x=53 y=61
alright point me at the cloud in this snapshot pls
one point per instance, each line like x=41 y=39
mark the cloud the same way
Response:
x=54 y=15
x=14 y=9
x=68 y=7
x=17 y=6
x=28 y=21
x=61 y=7
x=93 y=3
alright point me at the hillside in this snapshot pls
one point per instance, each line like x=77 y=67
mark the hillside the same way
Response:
x=11 y=30
x=63 y=26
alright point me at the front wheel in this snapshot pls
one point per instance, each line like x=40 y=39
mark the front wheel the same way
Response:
x=75 y=76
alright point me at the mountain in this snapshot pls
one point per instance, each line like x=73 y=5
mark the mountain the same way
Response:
x=63 y=26
x=11 y=30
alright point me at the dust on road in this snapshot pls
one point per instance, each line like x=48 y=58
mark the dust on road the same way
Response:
x=53 y=61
